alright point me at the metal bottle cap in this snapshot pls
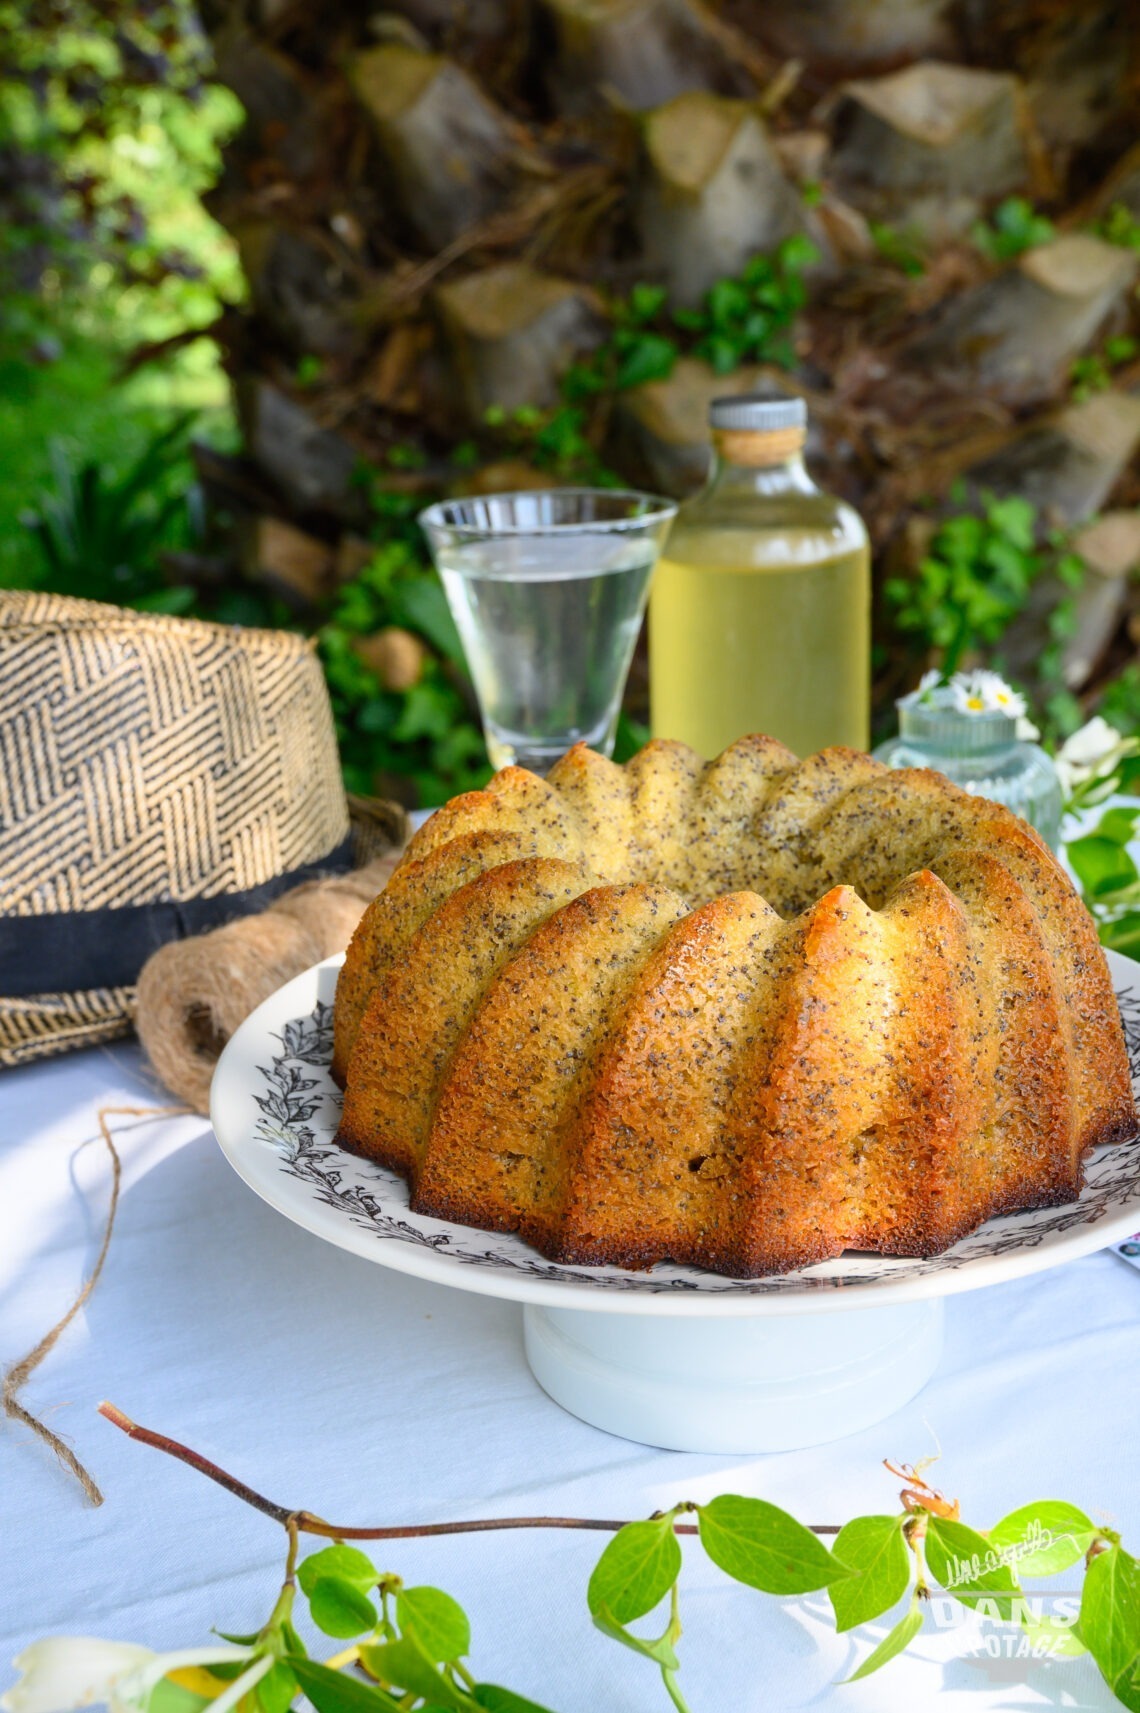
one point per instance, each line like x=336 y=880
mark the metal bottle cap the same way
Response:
x=757 y=413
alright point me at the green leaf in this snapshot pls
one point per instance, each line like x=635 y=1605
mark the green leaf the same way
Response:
x=419 y=604
x=405 y=1664
x=875 y=1549
x=293 y=1642
x=797 y=252
x=651 y=359
x=1043 y=1538
x=1051 y=1639
x=1119 y=825
x=646 y=301
x=892 y=1643
x=758 y=1544
x=636 y=1571
x=1110 y=1621
x=966 y=1565
x=1101 y=865
x=441 y=1625
x=343 y=1561
x=429 y=711
x=167 y=1697
x=276 y=1691
x=339 y=1608
x=497 y=1700
x=336 y=1692
x=1123 y=935
x=1014 y=517
x=660 y=1650
x=176 y=601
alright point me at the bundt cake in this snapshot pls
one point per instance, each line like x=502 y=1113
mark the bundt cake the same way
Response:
x=745 y=1014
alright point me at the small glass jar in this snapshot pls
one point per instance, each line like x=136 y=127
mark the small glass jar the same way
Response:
x=980 y=752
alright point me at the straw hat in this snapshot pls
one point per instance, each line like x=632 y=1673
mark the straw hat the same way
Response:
x=158 y=776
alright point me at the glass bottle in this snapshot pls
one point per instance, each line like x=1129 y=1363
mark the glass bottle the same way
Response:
x=980 y=752
x=759 y=617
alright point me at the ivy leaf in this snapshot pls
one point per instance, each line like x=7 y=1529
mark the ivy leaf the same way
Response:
x=497 y=1700
x=758 y=1544
x=343 y=1561
x=1043 y=1538
x=1117 y=824
x=967 y=1566
x=1110 y=1621
x=277 y=1689
x=1123 y=934
x=875 y=1549
x=1100 y=864
x=405 y=1664
x=339 y=1608
x=170 y=1697
x=636 y=1571
x=440 y=1624
x=892 y=1644
x=336 y=1692
x=661 y=1650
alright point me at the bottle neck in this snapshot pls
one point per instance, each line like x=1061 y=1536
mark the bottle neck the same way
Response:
x=759 y=464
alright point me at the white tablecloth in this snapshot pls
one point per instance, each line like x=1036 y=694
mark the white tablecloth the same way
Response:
x=332 y=1383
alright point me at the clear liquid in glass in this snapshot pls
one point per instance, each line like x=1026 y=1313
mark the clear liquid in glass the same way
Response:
x=549 y=628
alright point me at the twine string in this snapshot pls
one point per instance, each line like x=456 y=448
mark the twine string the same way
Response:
x=20 y=1372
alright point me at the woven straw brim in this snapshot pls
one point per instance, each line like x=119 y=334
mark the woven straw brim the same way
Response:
x=50 y=1023
x=158 y=776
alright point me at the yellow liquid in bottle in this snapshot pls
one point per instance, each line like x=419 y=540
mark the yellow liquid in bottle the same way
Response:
x=751 y=632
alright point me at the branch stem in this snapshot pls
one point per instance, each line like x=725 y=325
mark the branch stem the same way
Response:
x=305 y=1523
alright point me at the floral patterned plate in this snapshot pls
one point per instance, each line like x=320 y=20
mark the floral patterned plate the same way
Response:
x=275 y=1107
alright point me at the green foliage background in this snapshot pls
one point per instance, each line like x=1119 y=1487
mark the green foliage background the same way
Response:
x=110 y=133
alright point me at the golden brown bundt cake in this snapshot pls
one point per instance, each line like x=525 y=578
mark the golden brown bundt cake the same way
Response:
x=745 y=1014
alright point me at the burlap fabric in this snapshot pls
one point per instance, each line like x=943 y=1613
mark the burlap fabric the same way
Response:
x=158 y=777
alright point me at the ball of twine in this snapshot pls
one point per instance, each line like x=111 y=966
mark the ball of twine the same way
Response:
x=193 y=994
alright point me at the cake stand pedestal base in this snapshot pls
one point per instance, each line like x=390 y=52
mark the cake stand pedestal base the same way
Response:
x=773 y=1382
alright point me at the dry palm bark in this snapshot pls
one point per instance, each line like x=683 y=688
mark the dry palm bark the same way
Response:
x=436 y=204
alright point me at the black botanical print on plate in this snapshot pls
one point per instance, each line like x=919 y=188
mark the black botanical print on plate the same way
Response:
x=301 y=1107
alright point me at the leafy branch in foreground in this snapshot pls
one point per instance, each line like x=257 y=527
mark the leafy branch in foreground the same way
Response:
x=408 y=1647
x=1095 y=764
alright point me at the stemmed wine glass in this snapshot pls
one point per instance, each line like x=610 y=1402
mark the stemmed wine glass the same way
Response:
x=548 y=590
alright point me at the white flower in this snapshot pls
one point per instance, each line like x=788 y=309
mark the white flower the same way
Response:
x=1093 y=752
x=1095 y=742
x=965 y=698
x=62 y=1673
x=1027 y=732
x=988 y=693
x=70 y=1671
x=1007 y=701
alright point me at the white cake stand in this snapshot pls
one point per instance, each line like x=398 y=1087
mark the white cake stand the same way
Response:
x=676 y=1356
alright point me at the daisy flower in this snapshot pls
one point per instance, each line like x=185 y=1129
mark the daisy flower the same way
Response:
x=965 y=698
x=984 y=692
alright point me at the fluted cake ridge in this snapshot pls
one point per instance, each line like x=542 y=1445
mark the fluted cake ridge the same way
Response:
x=744 y=1014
